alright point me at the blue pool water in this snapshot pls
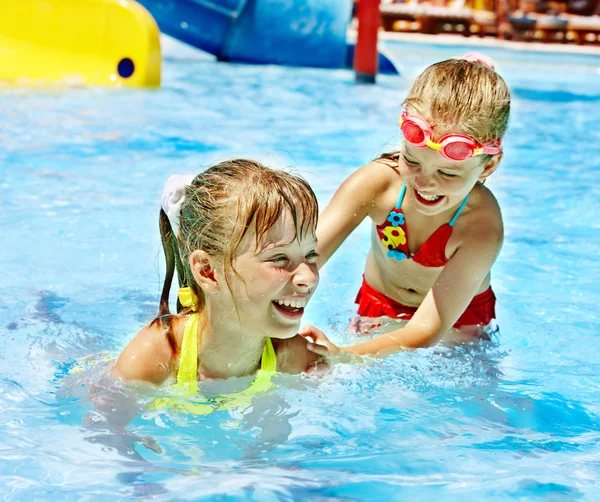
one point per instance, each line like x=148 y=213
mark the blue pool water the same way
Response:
x=81 y=172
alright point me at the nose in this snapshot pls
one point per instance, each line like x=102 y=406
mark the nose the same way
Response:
x=306 y=278
x=422 y=181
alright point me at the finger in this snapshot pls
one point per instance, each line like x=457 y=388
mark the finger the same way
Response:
x=310 y=337
x=312 y=334
x=306 y=329
x=320 y=350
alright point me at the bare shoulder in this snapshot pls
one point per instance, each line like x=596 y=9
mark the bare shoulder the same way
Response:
x=293 y=356
x=149 y=356
x=371 y=186
x=482 y=221
x=360 y=196
x=377 y=176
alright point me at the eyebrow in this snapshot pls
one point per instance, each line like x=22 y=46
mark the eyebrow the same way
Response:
x=406 y=150
x=450 y=167
x=445 y=167
x=408 y=155
x=270 y=247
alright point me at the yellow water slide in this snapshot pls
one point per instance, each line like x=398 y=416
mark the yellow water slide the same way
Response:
x=78 y=42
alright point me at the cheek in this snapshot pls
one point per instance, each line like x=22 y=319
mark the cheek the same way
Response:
x=451 y=185
x=405 y=170
x=315 y=271
x=457 y=186
x=264 y=281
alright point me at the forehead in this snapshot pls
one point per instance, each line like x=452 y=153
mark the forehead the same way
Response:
x=282 y=233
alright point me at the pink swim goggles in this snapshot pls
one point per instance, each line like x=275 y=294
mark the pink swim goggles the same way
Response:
x=417 y=131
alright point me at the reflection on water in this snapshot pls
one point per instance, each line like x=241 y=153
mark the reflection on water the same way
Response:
x=424 y=415
x=81 y=172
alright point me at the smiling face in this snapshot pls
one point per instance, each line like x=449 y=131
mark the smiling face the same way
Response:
x=435 y=184
x=456 y=96
x=274 y=281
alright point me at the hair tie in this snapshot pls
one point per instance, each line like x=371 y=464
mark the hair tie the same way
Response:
x=173 y=197
x=188 y=298
x=477 y=57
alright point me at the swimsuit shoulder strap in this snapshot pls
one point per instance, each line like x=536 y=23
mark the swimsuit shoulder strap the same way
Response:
x=262 y=380
x=401 y=197
x=187 y=374
x=268 y=362
x=458 y=211
x=187 y=399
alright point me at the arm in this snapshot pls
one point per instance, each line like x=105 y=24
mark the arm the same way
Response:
x=147 y=358
x=351 y=204
x=145 y=361
x=442 y=306
x=448 y=299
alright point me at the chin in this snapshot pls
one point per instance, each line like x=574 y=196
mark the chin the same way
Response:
x=284 y=333
x=284 y=323
x=429 y=211
x=282 y=330
x=442 y=206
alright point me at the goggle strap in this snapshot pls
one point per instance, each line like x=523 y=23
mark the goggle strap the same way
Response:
x=492 y=150
x=433 y=145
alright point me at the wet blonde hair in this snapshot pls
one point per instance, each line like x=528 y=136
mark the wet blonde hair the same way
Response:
x=460 y=96
x=221 y=206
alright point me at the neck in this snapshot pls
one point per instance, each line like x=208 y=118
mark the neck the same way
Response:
x=227 y=350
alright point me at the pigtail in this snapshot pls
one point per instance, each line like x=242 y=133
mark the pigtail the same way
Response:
x=390 y=159
x=395 y=155
x=170 y=248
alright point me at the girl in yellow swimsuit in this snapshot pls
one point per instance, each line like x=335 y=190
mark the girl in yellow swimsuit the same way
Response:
x=242 y=240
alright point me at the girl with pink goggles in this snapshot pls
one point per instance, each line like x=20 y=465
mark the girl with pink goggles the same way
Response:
x=417 y=131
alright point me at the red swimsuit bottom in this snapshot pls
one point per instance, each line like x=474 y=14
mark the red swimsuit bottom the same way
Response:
x=372 y=303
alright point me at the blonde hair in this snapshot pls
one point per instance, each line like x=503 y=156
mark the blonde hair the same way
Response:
x=221 y=206
x=461 y=96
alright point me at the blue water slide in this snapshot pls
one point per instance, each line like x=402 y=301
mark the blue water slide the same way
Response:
x=286 y=32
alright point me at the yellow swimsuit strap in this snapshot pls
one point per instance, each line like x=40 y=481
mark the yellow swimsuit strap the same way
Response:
x=186 y=386
x=187 y=375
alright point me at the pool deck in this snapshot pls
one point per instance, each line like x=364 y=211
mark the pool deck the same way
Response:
x=483 y=42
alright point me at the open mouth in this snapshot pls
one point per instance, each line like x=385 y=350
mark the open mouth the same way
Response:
x=427 y=200
x=292 y=309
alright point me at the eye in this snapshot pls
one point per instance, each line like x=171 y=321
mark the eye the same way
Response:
x=279 y=259
x=448 y=175
x=312 y=257
x=410 y=162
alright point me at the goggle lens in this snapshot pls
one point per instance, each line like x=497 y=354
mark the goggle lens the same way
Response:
x=458 y=150
x=413 y=133
x=418 y=131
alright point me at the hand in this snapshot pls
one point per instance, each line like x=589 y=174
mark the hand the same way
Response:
x=318 y=342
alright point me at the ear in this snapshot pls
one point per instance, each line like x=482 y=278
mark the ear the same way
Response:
x=491 y=166
x=204 y=271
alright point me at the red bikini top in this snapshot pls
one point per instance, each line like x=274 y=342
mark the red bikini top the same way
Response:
x=393 y=235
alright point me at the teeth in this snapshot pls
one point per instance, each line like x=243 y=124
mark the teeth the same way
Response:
x=429 y=197
x=297 y=304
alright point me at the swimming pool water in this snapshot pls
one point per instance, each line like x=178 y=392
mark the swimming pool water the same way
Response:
x=81 y=171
